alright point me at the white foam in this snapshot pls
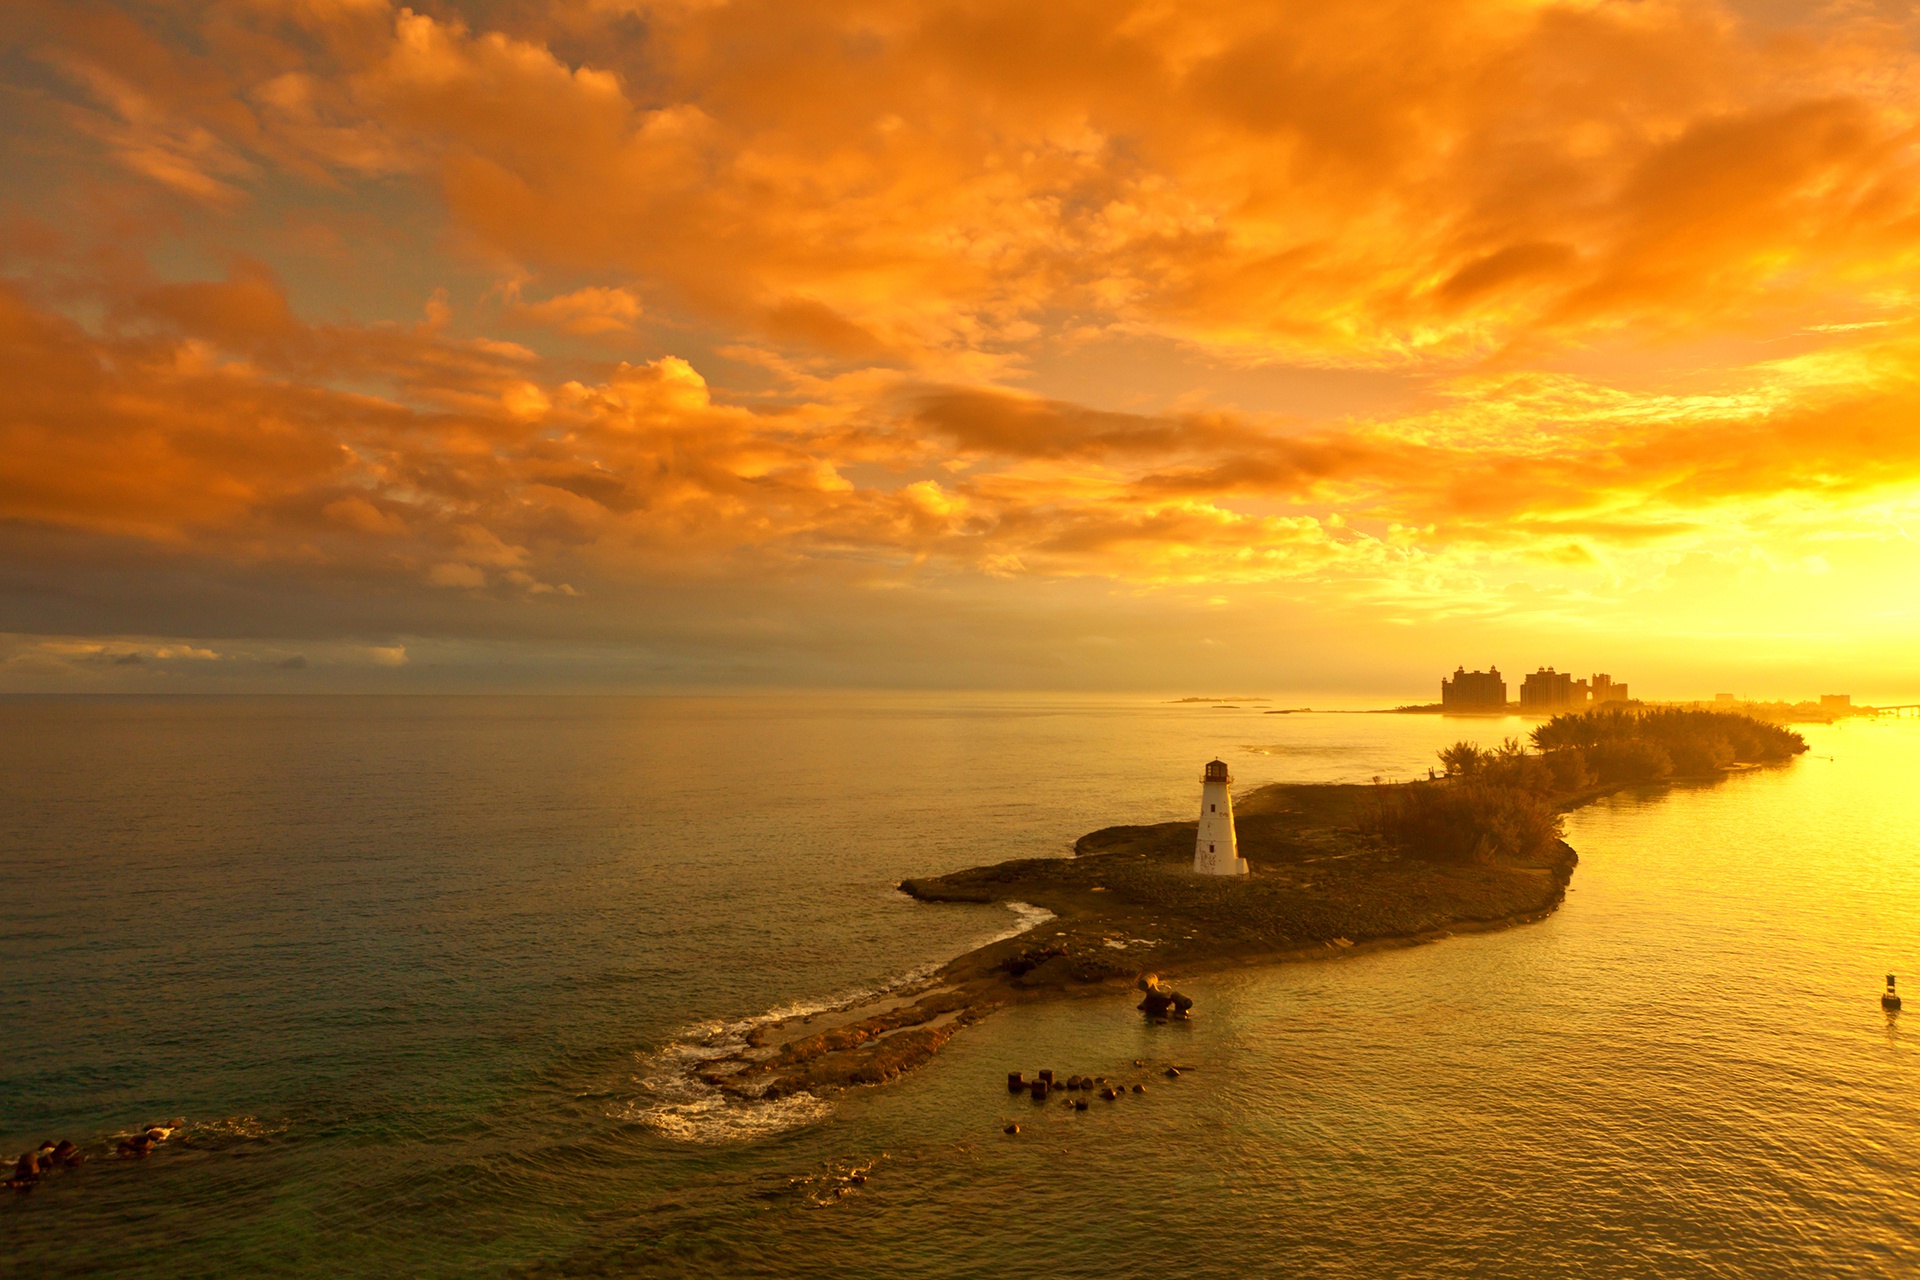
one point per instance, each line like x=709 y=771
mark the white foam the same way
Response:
x=676 y=1103
x=1028 y=917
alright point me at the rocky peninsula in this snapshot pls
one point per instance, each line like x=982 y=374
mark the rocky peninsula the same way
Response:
x=1128 y=903
x=1334 y=869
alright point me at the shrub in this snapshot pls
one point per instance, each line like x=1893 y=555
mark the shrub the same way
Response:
x=1700 y=753
x=1750 y=740
x=1463 y=758
x=1501 y=804
x=1567 y=769
x=1627 y=760
x=1466 y=820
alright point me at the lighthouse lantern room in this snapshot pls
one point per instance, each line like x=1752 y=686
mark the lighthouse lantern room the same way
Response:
x=1216 y=852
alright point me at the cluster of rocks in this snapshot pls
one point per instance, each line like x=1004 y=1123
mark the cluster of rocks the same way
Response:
x=1162 y=1001
x=54 y=1157
x=145 y=1140
x=48 y=1158
x=1044 y=1084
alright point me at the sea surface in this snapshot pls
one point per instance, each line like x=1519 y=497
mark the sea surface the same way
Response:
x=426 y=982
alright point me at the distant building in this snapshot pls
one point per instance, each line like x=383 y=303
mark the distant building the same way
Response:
x=1603 y=689
x=1547 y=692
x=1723 y=699
x=1473 y=691
x=1836 y=702
x=1216 y=851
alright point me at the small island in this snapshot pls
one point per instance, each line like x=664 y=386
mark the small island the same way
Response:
x=1333 y=869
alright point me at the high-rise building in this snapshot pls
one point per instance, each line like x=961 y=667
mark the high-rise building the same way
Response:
x=1603 y=689
x=1473 y=691
x=1547 y=692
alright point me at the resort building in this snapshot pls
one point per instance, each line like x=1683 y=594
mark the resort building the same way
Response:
x=1547 y=692
x=1602 y=689
x=1476 y=691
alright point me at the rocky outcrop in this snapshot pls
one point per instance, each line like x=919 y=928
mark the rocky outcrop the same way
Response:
x=35 y=1166
x=1127 y=909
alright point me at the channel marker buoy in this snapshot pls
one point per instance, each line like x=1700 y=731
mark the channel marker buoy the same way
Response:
x=1890 y=999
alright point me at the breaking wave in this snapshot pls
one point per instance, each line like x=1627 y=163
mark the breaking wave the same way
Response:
x=675 y=1102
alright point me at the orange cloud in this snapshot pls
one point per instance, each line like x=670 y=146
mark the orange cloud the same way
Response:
x=587 y=311
x=1645 y=272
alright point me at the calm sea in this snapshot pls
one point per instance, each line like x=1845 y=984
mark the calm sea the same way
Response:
x=427 y=982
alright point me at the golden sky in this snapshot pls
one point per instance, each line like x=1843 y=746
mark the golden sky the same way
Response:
x=1293 y=346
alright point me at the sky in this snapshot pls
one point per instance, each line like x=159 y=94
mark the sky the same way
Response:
x=1101 y=344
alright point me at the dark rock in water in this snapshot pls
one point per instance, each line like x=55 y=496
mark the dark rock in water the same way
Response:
x=28 y=1170
x=69 y=1155
x=857 y=1179
x=1155 y=1004
x=1014 y=1082
x=136 y=1146
x=1139 y=1062
x=1073 y=1082
x=1047 y=1075
x=1013 y=1128
x=1139 y=1088
x=1039 y=1090
x=1173 y=1071
x=1080 y=1105
x=1182 y=1003
x=1109 y=1093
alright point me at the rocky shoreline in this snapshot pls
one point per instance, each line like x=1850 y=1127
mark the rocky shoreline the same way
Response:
x=1127 y=904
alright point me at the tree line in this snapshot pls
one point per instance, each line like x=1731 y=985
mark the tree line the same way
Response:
x=1488 y=805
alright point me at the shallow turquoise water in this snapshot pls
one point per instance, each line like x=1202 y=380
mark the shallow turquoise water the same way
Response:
x=423 y=978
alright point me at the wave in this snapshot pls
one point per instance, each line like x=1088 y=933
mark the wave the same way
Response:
x=677 y=1103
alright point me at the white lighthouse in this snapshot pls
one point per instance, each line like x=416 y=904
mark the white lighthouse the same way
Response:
x=1216 y=852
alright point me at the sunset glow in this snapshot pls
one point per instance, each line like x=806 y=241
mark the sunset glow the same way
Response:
x=1149 y=345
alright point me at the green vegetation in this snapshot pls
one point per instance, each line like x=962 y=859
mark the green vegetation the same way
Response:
x=1504 y=805
x=1632 y=745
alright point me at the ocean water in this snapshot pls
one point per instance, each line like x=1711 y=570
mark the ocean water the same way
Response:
x=426 y=981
